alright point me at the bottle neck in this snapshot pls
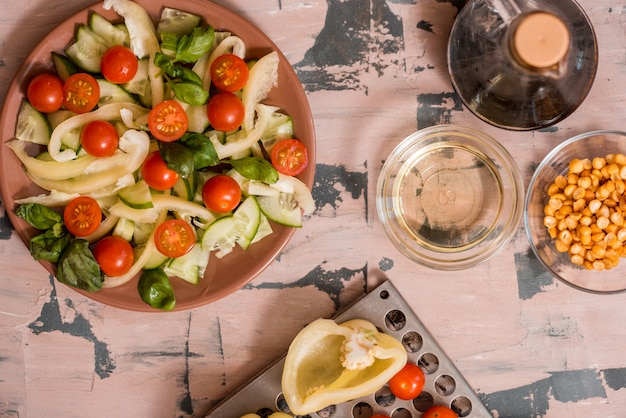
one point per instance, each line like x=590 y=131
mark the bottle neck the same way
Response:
x=540 y=41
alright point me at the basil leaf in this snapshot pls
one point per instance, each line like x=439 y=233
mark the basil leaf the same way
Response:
x=156 y=289
x=194 y=45
x=190 y=93
x=178 y=157
x=78 y=267
x=187 y=74
x=254 y=168
x=50 y=244
x=39 y=216
x=204 y=154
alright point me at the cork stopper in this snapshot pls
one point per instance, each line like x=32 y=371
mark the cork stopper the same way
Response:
x=541 y=40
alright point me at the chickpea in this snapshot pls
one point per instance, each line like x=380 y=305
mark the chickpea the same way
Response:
x=586 y=211
x=560 y=181
x=598 y=163
x=577 y=260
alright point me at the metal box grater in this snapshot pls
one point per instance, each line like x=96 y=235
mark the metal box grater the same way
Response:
x=386 y=309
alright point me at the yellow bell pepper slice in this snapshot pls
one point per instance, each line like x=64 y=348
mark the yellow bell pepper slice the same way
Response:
x=329 y=363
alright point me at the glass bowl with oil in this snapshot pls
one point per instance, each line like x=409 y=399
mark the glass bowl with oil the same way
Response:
x=449 y=197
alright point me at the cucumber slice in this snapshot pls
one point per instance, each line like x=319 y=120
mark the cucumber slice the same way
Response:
x=155 y=260
x=140 y=84
x=198 y=119
x=259 y=188
x=190 y=267
x=110 y=33
x=113 y=93
x=137 y=196
x=87 y=49
x=63 y=66
x=61 y=115
x=280 y=127
x=239 y=228
x=32 y=125
x=142 y=233
x=71 y=139
x=124 y=228
x=220 y=236
x=265 y=229
x=185 y=187
x=282 y=209
x=177 y=22
x=247 y=219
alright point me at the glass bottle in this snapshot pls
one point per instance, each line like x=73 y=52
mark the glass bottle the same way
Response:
x=522 y=65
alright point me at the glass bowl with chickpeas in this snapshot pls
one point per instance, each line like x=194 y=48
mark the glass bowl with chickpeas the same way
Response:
x=575 y=211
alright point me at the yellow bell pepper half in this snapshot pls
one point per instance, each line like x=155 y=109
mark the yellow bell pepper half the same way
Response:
x=329 y=363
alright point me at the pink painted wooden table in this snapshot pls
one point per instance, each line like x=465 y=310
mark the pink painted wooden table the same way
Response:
x=374 y=71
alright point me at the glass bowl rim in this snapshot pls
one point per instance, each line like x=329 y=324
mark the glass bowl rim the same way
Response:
x=509 y=176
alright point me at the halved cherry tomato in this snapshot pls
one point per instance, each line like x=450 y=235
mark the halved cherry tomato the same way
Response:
x=229 y=73
x=221 y=193
x=81 y=93
x=289 y=157
x=99 y=138
x=439 y=411
x=114 y=254
x=225 y=111
x=408 y=383
x=45 y=93
x=174 y=238
x=82 y=216
x=119 y=64
x=168 y=121
x=157 y=174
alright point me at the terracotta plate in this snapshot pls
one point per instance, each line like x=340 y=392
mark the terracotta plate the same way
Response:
x=223 y=276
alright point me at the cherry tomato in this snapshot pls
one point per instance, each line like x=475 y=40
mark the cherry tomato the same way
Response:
x=229 y=73
x=290 y=157
x=82 y=216
x=168 y=121
x=99 y=138
x=157 y=174
x=221 y=193
x=408 y=382
x=119 y=64
x=45 y=93
x=114 y=254
x=81 y=93
x=225 y=111
x=174 y=238
x=439 y=411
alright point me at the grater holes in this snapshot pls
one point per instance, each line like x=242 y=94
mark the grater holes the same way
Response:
x=327 y=412
x=412 y=342
x=401 y=413
x=395 y=320
x=462 y=406
x=429 y=362
x=445 y=385
x=281 y=403
x=424 y=401
x=264 y=412
x=362 y=410
x=384 y=397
